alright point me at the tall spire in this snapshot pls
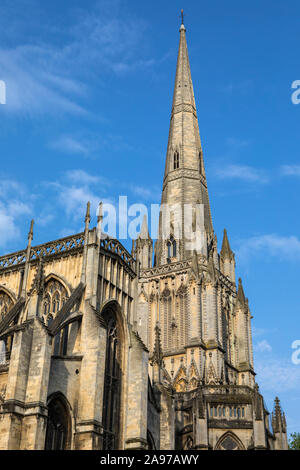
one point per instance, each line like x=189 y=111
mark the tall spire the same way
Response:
x=184 y=178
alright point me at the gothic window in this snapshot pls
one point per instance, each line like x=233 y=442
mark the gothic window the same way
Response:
x=55 y=295
x=176 y=160
x=169 y=250
x=58 y=425
x=60 y=345
x=229 y=441
x=172 y=249
x=200 y=164
x=5 y=349
x=112 y=383
x=188 y=443
x=5 y=304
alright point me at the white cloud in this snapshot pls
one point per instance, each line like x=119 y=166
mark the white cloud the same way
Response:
x=82 y=177
x=146 y=193
x=70 y=145
x=8 y=228
x=12 y=209
x=290 y=170
x=242 y=172
x=49 y=77
x=273 y=245
x=277 y=375
x=262 y=346
x=31 y=88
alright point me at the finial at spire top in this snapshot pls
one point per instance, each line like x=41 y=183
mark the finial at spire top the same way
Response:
x=182 y=20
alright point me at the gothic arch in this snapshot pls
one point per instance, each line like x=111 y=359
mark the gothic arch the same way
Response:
x=59 y=423
x=60 y=279
x=189 y=443
x=55 y=296
x=6 y=302
x=9 y=292
x=229 y=441
x=180 y=382
x=114 y=385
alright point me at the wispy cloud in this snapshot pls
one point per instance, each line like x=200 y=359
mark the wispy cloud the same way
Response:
x=12 y=208
x=277 y=375
x=287 y=248
x=290 y=170
x=242 y=172
x=152 y=194
x=68 y=144
x=258 y=332
x=32 y=87
x=49 y=76
x=262 y=346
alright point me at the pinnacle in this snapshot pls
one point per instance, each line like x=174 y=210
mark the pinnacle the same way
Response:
x=144 y=234
x=226 y=250
x=240 y=293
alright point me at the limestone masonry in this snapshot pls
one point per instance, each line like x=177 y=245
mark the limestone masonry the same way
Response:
x=103 y=349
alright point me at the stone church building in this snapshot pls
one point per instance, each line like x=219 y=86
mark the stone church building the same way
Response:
x=103 y=349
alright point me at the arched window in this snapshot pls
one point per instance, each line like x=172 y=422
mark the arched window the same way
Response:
x=58 y=425
x=5 y=304
x=176 y=160
x=188 y=443
x=172 y=249
x=200 y=162
x=229 y=441
x=169 y=250
x=55 y=295
x=2 y=352
x=112 y=383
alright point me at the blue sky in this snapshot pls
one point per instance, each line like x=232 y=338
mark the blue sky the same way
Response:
x=89 y=90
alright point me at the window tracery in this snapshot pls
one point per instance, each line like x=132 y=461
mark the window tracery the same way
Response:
x=6 y=303
x=55 y=296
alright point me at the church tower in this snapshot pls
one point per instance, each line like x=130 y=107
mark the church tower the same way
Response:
x=103 y=349
x=188 y=220
x=202 y=317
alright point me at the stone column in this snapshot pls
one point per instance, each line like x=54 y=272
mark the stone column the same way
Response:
x=137 y=395
x=13 y=406
x=89 y=421
x=36 y=412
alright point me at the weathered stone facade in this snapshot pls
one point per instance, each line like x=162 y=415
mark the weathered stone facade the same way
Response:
x=102 y=349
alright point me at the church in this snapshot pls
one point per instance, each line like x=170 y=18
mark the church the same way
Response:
x=105 y=349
